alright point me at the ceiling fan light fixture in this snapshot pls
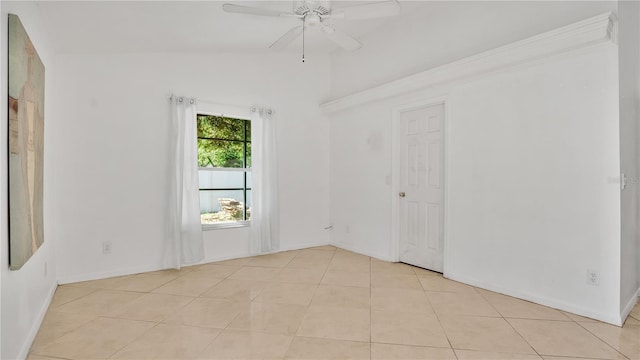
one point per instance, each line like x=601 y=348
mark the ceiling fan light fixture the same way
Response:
x=312 y=20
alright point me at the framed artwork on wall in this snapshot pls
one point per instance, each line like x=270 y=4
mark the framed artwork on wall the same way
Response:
x=26 y=146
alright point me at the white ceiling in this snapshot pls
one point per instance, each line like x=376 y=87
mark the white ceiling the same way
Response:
x=184 y=26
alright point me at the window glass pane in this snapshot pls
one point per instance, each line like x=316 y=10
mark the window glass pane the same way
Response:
x=248 y=155
x=221 y=179
x=218 y=206
x=248 y=204
x=220 y=153
x=218 y=127
x=223 y=143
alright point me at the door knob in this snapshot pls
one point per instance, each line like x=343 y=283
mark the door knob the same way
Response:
x=402 y=194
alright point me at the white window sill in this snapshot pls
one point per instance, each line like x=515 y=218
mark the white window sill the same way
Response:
x=229 y=225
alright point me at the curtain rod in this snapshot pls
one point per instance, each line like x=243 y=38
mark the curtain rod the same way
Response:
x=180 y=99
x=251 y=108
x=213 y=102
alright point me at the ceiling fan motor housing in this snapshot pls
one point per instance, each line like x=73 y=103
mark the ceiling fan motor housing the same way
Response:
x=318 y=8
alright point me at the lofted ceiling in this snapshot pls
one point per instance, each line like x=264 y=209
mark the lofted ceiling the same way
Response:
x=186 y=26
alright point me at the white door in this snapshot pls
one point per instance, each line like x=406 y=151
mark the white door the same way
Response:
x=421 y=196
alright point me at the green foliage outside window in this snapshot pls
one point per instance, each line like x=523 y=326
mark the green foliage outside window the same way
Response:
x=221 y=142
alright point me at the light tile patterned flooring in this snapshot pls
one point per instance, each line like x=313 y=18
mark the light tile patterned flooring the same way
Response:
x=319 y=303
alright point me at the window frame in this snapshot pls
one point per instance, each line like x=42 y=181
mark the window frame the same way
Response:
x=233 y=112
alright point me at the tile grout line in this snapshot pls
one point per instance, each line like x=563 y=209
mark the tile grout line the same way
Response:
x=437 y=317
x=251 y=301
x=74 y=299
x=201 y=297
x=137 y=337
x=216 y=284
x=604 y=341
x=295 y=334
x=204 y=348
x=521 y=336
x=94 y=318
x=327 y=268
x=132 y=341
x=507 y=321
x=54 y=309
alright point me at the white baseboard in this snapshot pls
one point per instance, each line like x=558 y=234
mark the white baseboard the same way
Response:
x=608 y=318
x=305 y=245
x=222 y=258
x=355 y=249
x=130 y=271
x=31 y=336
x=106 y=274
x=247 y=254
x=627 y=309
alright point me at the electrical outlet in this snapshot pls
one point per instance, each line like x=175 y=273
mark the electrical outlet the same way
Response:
x=106 y=247
x=593 y=277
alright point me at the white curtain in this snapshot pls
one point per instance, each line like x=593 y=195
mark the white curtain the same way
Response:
x=185 y=245
x=265 y=219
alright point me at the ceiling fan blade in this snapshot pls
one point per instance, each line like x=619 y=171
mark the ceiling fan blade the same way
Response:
x=368 y=11
x=239 y=9
x=343 y=40
x=286 y=39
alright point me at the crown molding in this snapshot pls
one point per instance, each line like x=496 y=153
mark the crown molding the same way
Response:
x=592 y=31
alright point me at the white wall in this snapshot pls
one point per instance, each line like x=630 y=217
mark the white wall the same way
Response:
x=534 y=202
x=114 y=113
x=638 y=156
x=444 y=31
x=629 y=64
x=25 y=293
x=533 y=171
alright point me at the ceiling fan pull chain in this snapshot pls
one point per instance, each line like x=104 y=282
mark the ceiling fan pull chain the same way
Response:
x=303 y=26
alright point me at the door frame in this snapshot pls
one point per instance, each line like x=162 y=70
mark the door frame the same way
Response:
x=395 y=172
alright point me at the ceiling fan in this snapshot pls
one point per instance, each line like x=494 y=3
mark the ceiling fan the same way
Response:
x=314 y=13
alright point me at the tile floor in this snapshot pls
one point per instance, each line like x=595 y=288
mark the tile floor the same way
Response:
x=319 y=303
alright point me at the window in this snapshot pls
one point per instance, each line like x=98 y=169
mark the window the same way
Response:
x=224 y=161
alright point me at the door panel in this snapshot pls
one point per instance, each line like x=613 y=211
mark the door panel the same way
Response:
x=421 y=170
x=412 y=164
x=433 y=226
x=413 y=214
x=434 y=164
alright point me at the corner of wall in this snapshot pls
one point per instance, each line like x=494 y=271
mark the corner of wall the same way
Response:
x=629 y=102
x=25 y=294
x=35 y=326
